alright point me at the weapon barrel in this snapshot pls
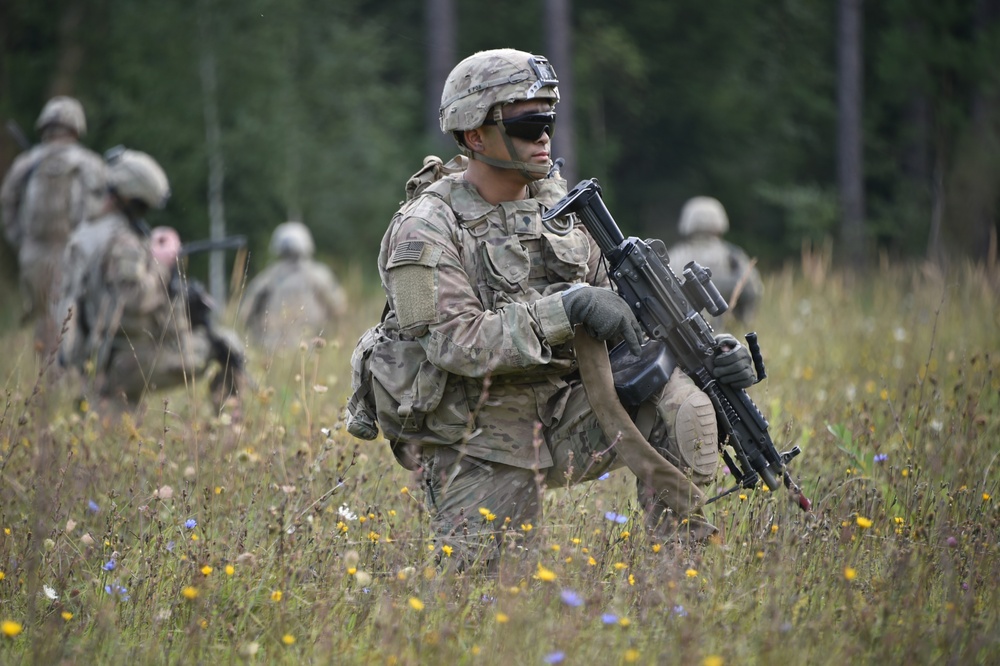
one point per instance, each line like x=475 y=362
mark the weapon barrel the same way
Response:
x=209 y=245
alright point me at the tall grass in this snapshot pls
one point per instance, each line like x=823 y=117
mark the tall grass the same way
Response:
x=176 y=535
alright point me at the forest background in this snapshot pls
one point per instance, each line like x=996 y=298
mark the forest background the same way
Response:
x=810 y=120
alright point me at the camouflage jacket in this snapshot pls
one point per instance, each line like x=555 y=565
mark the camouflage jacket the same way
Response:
x=119 y=296
x=289 y=301
x=49 y=190
x=479 y=286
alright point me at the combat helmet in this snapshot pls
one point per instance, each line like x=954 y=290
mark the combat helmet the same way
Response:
x=135 y=176
x=703 y=215
x=483 y=83
x=64 y=111
x=292 y=240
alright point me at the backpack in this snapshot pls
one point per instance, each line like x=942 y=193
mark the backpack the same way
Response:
x=397 y=403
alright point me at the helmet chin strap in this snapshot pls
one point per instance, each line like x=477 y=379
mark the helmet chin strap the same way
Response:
x=526 y=169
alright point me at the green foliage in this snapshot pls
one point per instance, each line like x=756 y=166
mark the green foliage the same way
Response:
x=321 y=108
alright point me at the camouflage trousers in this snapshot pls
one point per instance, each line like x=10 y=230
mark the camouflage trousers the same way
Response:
x=476 y=504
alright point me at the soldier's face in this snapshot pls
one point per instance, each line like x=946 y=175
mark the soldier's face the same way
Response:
x=531 y=151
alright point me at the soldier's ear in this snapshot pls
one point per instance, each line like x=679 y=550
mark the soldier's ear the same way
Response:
x=474 y=139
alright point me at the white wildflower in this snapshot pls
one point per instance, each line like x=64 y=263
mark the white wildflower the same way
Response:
x=50 y=592
x=345 y=513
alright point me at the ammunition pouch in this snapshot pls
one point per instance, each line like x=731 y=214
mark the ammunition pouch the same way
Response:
x=638 y=378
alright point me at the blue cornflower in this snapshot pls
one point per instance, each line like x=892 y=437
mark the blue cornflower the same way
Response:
x=117 y=590
x=190 y=523
x=679 y=611
x=881 y=457
x=92 y=506
x=571 y=598
x=604 y=476
x=616 y=517
x=609 y=618
x=555 y=657
x=110 y=565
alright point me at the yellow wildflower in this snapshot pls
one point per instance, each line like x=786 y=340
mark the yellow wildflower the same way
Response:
x=774 y=529
x=288 y=639
x=527 y=527
x=276 y=595
x=656 y=547
x=712 y=660
x=691 y=573
x=850 y=573
x=206 y=570
x=631 y=655
x=545 y=574
x=230 y=569
x=66 y=615
x=986 y=497
x=591 y=561
x=447 y=550
x=502 y=618
x=416 y=604
x=10 y=628
x=864 y=523
x=620 y=565
x=189 y=593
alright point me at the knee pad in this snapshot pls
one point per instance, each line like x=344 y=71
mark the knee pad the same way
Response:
x=692 y=431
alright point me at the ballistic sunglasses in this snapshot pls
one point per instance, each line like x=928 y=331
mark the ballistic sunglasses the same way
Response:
x=529 y=126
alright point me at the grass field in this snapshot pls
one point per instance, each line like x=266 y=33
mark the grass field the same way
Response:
x=178 y=536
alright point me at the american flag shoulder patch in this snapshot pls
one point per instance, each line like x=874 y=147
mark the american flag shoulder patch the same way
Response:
x=408 y=252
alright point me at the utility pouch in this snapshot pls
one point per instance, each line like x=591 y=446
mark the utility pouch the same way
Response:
x=361 y=410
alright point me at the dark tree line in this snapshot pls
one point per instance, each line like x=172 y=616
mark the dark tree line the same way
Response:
x=265 y=110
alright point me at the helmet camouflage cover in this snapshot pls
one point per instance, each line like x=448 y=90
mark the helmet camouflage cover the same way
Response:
x=134 y=175
x=703 y=215
x=488 y=78
x=64 y=111
x=292 y=240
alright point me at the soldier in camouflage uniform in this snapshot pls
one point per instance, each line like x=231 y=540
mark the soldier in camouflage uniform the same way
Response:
x=475 y=378
x=48 y=191
x=702 y=225
x=293 y=299
x=129 y=329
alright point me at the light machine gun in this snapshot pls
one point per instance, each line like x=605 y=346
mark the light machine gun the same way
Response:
x=670 y=311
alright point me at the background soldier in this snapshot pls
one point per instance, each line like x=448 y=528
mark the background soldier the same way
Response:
x=293 y=299
x=48 y=191
x=702 y=225
x=477 y=364
x=130 y=329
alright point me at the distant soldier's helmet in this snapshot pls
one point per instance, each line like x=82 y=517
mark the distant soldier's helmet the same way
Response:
x=292 y=240
x=703 y=215
x=134 y=175
x=64 y=111
x=488 y=78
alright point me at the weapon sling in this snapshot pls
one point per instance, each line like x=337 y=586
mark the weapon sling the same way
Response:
x=670 y=484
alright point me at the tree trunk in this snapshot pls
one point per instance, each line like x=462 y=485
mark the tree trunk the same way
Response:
x=850 y=165
x=440 y=17
x=558 y=37
x=216 y=164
